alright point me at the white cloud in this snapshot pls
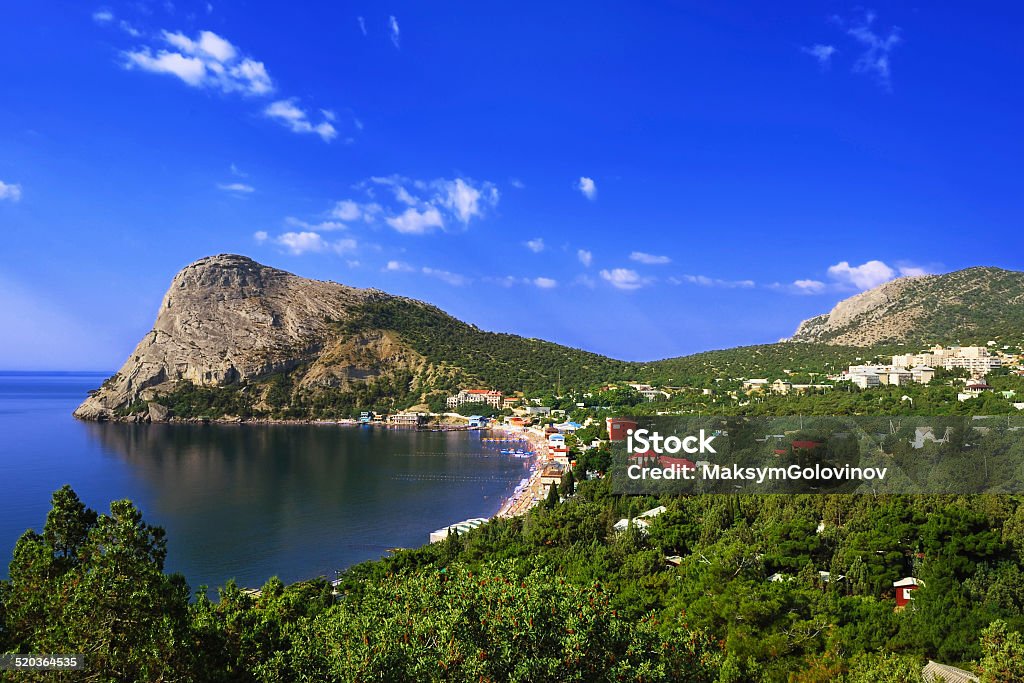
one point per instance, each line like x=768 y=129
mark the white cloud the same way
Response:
x=705 y=281
x=297 y=120
x=623 y=278
x=587 y=187
x=822 y=53
x=236 y=187
x=415 y=222
x=450 y=278
x=396 y=34
x=306 y=242
x=398 y=267
x=103 y=16
x=536 y=245
x=236 y=171
x=875 y=58
x=649 y=259
x=10 y=191
x=512 y=280
x=545 y=282
x=348 y=210
x=422 y=206
x=809 y=286
x=189 y=69
x=517 y=183
x=913 y=271
x=865 y=276
x=585 y=257
x=464 y=199
x=260 y=236
x=129 y=29
x=207 y=61
x=362 y=24
x=323 y=226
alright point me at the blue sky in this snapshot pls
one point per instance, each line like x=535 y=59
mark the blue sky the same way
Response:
x=639 y=179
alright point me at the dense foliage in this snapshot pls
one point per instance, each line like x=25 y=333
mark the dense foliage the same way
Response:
x=557 y=595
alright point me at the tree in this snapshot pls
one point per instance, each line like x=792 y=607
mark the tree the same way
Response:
x=552 y=499
x=568 y=485
x=1003 y=654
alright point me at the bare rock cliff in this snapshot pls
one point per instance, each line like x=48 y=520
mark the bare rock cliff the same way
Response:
x=227 y=319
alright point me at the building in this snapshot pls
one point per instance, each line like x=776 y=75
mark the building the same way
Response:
x=755 y=384
x=866 y=380
x=904 y=588
x=650 y=393
x=538 y=410
x=407 y=419
x=478 y=421
x=977 y=360
x=933 y=672
x=922 y=374
x=458 y=528
x=641 y=521
x=491 y=398
x=618 y=427
x=781 y=386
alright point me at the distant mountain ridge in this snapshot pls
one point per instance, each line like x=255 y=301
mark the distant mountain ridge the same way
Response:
x=234 y=338
x=971 y=305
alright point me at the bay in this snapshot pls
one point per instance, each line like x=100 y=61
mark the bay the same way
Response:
x=243 y=501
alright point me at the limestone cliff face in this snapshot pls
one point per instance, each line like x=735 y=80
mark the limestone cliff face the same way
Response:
x=228 y=320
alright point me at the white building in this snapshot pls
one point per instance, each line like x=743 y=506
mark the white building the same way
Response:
x=491 y=398
x=458 y=528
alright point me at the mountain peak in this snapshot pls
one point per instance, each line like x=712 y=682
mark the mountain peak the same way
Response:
x=969 y=304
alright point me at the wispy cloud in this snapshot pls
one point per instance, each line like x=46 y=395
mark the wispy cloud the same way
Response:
x=649 y=259
x=822 y=53
x=206 y=61
x=877 y=46
x=362 y=24
x=306 y=242
x=418 y=207
x=398 y=267
x=513 y=280
x=517 y=183
x=586 y=257
x=396 y=33
x=10 y=192
x=236 y=188
x=445 y=276
x=705 y=281
x=809 y=286
x=536 y=245
x=323 y=226
x=288 y=114
x=103 y=16
x=624 y=278
x=588 y=187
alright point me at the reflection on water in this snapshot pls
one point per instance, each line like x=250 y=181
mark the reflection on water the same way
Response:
x=250 y=501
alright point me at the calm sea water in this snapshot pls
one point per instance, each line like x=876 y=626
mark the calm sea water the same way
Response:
x=242 y=501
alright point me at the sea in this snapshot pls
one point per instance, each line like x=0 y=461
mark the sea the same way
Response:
x=246 y=501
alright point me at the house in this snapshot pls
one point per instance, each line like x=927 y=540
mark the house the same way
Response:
x=933 y=672
x=538 y=410
x=619 y=427
x=922 y=374
x=904 y=587
x=478 y=421
x=750 y=385
x=638 y=524
x=781 y=386
x=552 y=474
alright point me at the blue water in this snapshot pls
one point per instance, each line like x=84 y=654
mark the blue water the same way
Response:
x=242 y=501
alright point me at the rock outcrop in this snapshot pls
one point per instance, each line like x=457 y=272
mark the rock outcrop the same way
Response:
x=227 y=320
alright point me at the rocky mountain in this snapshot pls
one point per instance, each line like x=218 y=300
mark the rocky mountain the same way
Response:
x=237 y=338
x=971 y=305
